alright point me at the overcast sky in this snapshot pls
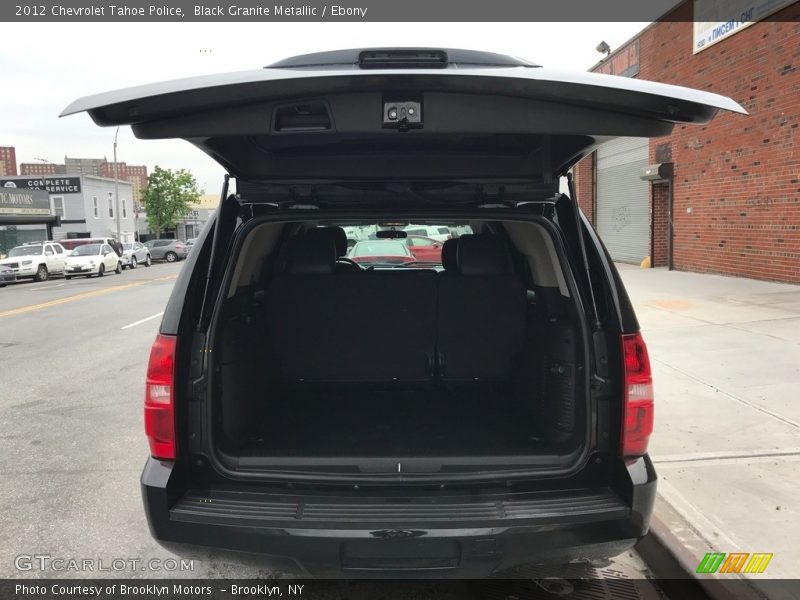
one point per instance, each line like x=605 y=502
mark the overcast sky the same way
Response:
x=45 y=66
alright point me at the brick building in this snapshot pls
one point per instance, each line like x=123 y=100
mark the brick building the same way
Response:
x=735 y=183
x=136 y=175
x=84 y=166
x=41 y=169
x=8 y=160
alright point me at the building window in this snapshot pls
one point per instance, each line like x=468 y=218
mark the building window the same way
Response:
x=58 y=206
x=95 y=207
x=110 y=206
x=124 y=209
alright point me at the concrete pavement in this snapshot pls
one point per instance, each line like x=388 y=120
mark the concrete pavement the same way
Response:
x=726 y=360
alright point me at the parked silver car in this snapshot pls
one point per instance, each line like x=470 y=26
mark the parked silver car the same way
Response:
x=168 y=250
x=7 y=275
x=135 y=254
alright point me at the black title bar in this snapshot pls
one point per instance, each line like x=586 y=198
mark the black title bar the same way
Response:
x=346 y=10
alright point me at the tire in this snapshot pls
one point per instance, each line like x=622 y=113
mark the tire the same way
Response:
x=133 y=263
x=118 y=270
x=101 y=271
x=41 y=273
x=67 y=277
x=148 y=261
x=170 y=257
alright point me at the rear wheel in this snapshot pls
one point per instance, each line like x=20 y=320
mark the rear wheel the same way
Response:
x=41 y=273
x=101 y=271
x=67 y=277
x=148 y=261
x=118 y=270
x=170 y=257
x=133 y=262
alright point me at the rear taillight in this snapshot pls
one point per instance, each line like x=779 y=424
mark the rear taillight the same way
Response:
x=159 y=398
x=637 y=412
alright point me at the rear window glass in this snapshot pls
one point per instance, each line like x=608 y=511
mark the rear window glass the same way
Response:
x=86 y=250
x=380 y=248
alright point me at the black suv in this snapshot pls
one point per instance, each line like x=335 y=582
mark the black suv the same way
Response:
x=454 y=409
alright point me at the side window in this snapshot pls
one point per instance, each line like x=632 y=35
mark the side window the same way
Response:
x=58 y=248
x=106 y=248
x=48 y=250
x=162 y=243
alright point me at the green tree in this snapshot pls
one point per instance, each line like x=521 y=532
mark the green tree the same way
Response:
x=168 y=198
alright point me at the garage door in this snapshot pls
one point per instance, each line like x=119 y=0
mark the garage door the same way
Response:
x=623 y=200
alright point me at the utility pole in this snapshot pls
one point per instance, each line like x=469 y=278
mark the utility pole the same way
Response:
x=116 y=187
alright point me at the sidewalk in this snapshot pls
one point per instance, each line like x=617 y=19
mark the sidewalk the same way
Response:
x=725 y=354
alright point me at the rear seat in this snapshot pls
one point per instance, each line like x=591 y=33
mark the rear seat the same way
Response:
x=339 y=237
x=392 y=326
x=449 y=249
x=328 y=326
x=481 y=313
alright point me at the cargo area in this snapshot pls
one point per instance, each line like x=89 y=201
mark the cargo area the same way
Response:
x=325 y=362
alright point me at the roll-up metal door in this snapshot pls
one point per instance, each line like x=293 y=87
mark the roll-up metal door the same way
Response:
x=623 y=200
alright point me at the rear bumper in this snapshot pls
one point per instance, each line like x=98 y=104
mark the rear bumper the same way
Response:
x=324 y=535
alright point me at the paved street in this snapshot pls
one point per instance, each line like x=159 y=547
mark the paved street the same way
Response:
x=73 y=364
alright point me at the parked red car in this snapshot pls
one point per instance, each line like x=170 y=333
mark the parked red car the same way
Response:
x=381 y=252
x=425 y=249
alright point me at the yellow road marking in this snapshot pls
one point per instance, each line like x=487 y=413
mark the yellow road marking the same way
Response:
x=81 y=296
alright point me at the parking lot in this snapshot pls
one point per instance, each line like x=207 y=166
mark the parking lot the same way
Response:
x=73 y=358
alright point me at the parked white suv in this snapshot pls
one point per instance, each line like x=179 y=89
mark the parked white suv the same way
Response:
x=37 y=260
x=440 y=233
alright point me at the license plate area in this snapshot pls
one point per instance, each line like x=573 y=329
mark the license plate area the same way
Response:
x=400 y=555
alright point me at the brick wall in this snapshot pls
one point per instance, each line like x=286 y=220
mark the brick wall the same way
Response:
x=737 y=195
x=659 y=252
x=8 y=159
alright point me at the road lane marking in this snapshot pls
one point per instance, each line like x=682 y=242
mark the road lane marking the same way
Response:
x=40 y=288
x=140 y=321
x=91 y=294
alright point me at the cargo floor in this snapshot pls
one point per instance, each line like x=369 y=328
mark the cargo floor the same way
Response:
x=394 y=423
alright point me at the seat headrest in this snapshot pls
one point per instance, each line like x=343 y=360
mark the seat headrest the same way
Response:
x=481 y=255
x=311 y=254
x=449 y=249
x=337 y=234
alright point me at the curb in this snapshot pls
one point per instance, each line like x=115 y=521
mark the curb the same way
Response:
x=673 y=563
